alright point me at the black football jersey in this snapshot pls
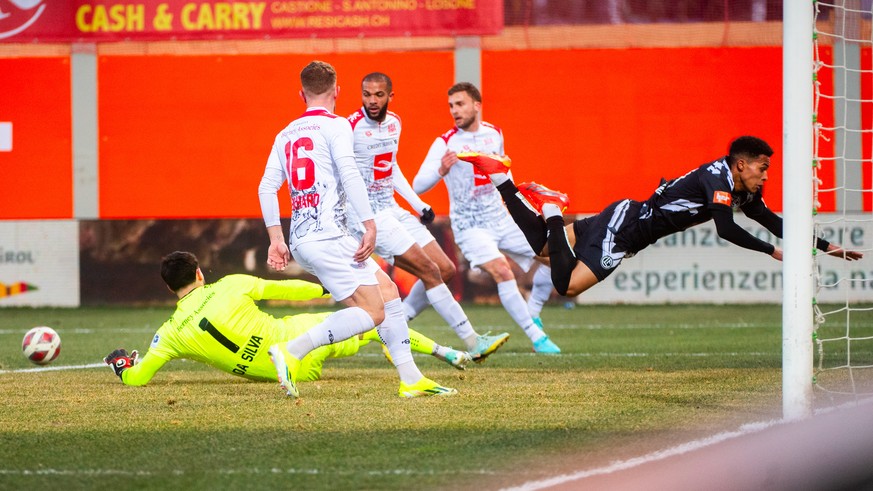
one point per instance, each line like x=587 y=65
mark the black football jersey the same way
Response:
x=688 y=200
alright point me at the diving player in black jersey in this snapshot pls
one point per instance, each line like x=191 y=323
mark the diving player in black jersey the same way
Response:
x=585 y=252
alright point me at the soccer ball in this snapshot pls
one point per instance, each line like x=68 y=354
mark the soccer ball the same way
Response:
x=41 y=345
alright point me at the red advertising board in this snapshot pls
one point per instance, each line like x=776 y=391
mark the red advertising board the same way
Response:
x=157 y=20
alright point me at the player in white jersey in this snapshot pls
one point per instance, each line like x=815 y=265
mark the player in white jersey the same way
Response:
x=483 y=229
x=314 y=154
x=401 y=238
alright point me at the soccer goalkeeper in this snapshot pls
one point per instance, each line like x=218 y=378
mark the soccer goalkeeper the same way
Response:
x=219 y=324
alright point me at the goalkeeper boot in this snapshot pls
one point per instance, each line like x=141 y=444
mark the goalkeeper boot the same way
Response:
x=457 y=359
x=545 y=345
x=487 y=344
x=424 y=388
x=538 y=195
x=487 y=163
x=538 y=321
x=286 y=369
x=387 y=354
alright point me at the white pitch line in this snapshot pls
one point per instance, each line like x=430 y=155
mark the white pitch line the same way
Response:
x=651 y=457
x=54 y=368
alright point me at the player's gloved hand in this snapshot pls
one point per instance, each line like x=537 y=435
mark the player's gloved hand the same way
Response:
x=427 y=216
x=120 y=361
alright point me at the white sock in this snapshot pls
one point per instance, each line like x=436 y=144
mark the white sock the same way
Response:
x=416 y=301
x=499 y=178
x=395 y=335
x=514 y=303
x=440 y=351
x=336 y=327
x=540 y=291
x=446 y=306
x=551 y=210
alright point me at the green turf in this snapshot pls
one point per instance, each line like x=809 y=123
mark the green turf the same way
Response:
x=630 y=380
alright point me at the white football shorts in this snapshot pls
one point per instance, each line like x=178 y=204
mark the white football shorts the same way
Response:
x=332 y=262
x=480 y=245
x=396 y=231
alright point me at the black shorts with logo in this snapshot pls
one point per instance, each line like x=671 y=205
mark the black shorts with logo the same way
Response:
x=603 y=240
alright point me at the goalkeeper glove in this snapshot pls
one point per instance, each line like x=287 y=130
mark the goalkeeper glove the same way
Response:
x=120 y=361
x=427 y=215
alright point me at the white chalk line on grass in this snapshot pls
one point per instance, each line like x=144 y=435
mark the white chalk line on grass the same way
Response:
x=655 y=456
x=274 y=470
x=54 y=368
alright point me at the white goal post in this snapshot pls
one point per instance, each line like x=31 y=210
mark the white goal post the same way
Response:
x=797 y=205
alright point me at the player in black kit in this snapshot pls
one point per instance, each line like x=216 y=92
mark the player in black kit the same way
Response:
x=586 y=251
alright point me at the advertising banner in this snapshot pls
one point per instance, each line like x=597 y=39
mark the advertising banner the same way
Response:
x=39 y=263
x=159 y=20
x=697 y=266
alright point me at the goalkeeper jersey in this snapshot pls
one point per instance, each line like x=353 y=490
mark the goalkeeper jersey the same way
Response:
x=219 y=324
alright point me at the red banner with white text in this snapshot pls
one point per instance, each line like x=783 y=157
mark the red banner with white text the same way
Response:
x=158 y=20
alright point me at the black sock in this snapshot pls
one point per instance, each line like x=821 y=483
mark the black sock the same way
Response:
x=561 y=256
x=528 y=221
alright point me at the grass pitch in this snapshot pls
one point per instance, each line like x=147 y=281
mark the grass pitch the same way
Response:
x=630 y=380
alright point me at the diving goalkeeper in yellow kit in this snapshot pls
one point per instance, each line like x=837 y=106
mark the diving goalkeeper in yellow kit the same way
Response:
x=221 y=325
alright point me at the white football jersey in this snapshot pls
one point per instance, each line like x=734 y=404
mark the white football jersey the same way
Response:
x=308 y=152
x=473 y=201
x=376 y=147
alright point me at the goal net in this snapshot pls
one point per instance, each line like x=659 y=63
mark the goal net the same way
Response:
x=842 y=143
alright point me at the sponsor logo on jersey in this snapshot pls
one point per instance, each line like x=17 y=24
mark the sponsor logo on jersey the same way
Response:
x=722 y=198
x=382 y=165
x=607 y=262
x=308 y=200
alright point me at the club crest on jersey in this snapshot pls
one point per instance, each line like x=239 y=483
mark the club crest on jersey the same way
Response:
x=607 y=262
x=368 y=133
x=722 y=198
x=392 y=128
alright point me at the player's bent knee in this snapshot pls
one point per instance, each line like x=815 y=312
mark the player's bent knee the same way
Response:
x=447 y=271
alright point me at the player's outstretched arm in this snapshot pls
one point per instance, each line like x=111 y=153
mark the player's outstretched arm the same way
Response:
x=429 y=173
x=129 y=370
x=838 y=251
x=299 y=290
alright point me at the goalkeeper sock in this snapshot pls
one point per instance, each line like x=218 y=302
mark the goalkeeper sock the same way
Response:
x=369 y=337
x=527 y=219
x=450 y=310
x=514 y=303
x=420 y=343
x=561 y=255
x=416 y=301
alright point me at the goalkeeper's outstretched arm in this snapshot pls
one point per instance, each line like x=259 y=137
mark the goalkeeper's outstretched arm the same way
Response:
x=129 y=370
